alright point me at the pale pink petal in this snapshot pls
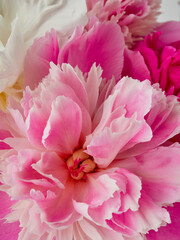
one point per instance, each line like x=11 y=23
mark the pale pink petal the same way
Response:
x=70 y=77
x=132 y=94
x=85 y=229
x=51 y=166
x=35 y=124
x=39 y=55
x=58 y=209
x=69 y=84
x=38 y=109
x=105 y=146
x=102 y=44
x=122 y=196
x=65 y=116
x=148 y=216
x=122 y=124
x=92 y=87
x=91 y=204
x=164 y=120
x=159 y=171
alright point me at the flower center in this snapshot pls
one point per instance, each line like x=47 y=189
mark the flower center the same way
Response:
x=79 y=164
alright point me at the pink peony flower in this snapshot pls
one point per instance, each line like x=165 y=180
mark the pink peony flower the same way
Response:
x=103 y=44
x=136 y=18
x=86 y=159
x=156 y=61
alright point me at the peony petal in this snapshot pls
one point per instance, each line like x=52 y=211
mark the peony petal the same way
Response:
x=123 y=132
x=92 y=87
x=58 y=209
x=170 y=34
x=149 y=216
x=37 y=17
x=11 y=57
x=8 y=231
x=102 y=44
x=51 y=166
x=135 y=66
x=89 y=230
x=135 y=95
x=65 y=116
x=159 y=171
x=38 y=57
x=164 y=120
x=170 y=231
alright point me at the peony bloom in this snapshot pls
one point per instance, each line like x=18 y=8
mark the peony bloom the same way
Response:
x=157 y=58
x=86 y=157
x=137 y=18
x=102 y=44
x=23 y=21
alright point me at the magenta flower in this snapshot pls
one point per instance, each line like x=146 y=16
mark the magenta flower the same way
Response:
x=86 y=158
x=137 y=18
x=157 y=58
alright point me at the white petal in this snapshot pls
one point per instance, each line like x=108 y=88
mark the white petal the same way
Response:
x=37 y=17
x=11 y=57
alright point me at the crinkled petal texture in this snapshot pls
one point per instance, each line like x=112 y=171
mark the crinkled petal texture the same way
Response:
x=84 y=158
x=137 y=18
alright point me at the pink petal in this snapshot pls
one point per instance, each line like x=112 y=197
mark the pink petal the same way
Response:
x=170 y=34
x=159 y=171
x=86 y=229
x=148 y=216
x=70 y=77
x=135 y=95
x=105 y=146
x=170 y=231
x=40 y=54
x=65 y=116
x=37 y=103
x=164 y=120
x=135 y=66
x=58 y=208
x=92 y=87
x=102 y=44
x=69 y=84
x=89 y=201
x=51 y=166
x=151 y=61
x=8 y=231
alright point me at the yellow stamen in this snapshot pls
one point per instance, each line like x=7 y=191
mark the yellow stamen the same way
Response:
x=3 y=101
x=88 y=165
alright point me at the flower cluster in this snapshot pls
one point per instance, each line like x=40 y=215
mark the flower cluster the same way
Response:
x=89 y=120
